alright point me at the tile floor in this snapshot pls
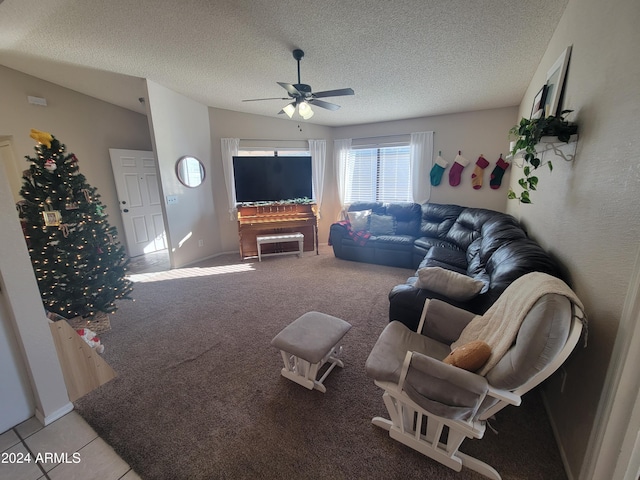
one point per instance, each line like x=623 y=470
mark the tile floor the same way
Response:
x=150 y=262
x=67 y=449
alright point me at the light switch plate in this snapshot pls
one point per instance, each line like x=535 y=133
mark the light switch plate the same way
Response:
x=172 y=199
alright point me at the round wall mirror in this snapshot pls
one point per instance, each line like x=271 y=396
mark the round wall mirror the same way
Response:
x=190 y=171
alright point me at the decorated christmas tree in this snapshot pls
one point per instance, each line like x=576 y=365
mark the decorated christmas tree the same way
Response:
x=78 y=262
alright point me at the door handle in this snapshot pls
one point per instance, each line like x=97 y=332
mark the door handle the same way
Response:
x=126 y=210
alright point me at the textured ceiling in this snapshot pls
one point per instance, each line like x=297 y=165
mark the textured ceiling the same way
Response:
x=403 y=58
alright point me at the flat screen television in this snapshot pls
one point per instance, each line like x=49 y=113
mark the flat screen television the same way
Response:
x=272 y=179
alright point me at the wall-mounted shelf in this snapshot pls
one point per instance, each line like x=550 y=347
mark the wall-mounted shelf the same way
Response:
x=564 y=150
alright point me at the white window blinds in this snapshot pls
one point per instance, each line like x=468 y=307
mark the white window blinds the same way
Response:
x=380 y=174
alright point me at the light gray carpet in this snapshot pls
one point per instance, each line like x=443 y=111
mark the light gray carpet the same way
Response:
x=199 y=394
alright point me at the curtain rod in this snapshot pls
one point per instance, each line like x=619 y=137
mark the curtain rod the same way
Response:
x=273 y=140
x=383 y=136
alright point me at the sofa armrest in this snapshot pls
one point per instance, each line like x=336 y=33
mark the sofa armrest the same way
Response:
x=338 y=230
x=444 y=322
x=442 y=389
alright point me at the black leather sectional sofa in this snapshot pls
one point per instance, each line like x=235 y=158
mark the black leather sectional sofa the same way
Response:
x=483 y=244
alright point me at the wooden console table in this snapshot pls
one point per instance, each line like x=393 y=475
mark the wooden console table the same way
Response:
x=277 y=218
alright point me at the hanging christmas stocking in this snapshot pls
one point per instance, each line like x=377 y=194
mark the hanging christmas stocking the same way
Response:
x=476 y=176
x=437 y=170
x=455 y=174
x=498 y=172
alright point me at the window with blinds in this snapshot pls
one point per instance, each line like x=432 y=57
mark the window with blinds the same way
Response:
x=381 y=174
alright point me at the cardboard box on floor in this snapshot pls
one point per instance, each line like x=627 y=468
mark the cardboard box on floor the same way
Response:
x=83 y=369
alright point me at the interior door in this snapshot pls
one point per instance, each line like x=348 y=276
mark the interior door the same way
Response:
x=11 y=169
x=139 y=197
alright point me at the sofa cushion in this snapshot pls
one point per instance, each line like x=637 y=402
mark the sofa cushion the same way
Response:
x=466 y=229
x=359 y=220
x=438 y=219
x=407 y=216
x=382 y=224
x=496 y=233
x=517 y=258
x=394 y=242
x=446 y=256
x=427 y=243
x=457 y=286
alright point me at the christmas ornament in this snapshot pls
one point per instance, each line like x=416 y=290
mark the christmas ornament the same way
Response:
x=52 y=218
x=50 y=165
x=41 y=137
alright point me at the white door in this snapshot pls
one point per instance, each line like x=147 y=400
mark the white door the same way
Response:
x=136 y=180
x=11 y=169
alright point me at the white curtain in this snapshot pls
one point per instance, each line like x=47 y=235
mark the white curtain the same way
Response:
x=341 y=149
x=421 y=158
x=318 y=150
x=229 y=148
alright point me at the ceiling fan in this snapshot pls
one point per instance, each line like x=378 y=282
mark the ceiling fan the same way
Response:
x=303 y=97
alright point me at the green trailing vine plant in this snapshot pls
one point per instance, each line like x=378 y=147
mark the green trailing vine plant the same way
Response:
x=528 y=134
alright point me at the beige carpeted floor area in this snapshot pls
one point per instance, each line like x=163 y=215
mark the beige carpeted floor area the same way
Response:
x=199 y=394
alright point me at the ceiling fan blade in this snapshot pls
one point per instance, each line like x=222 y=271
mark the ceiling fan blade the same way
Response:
x=260 y=99
x=293 y=91
x=334 y=93
x=323 y=104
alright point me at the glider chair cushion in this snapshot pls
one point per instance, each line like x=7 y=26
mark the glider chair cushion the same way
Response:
x=442 y=389
x=531 y=330
x=541 y=336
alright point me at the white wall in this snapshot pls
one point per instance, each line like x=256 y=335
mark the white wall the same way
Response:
x=40 y=376
x=180 y=126
x=586 y=212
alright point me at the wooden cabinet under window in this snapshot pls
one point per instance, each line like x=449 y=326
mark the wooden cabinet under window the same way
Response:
x=273 y=219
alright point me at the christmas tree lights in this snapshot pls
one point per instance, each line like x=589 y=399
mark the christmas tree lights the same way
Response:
x=79 y=264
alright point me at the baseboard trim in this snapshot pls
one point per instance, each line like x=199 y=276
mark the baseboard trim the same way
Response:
x=55 y=415
x=556 y=436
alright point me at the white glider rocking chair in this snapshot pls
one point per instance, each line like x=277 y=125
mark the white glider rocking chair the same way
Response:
x=433 y=406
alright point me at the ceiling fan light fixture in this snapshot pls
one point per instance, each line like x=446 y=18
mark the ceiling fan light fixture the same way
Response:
x=289 y=110
x=304 y=109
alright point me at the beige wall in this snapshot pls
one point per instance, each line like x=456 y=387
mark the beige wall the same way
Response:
x=88 y=127
x=180 y=126
x=250 y=129
x=473 y=133
x=586 y=212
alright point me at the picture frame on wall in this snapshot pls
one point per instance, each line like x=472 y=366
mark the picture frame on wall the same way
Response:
x=537 y=110
x=555 y=81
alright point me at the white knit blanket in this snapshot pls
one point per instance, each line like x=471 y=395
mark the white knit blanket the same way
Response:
x=500 y=324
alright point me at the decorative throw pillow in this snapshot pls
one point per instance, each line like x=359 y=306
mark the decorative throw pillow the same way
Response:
x=382 y=225
x=470 y=356
x=454 y=285
x=359 y=220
